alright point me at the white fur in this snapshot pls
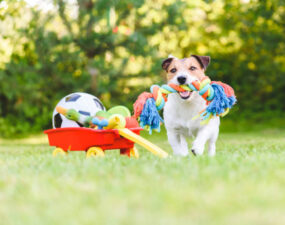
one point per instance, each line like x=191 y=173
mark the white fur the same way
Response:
x=178 y=114
x=171 y=56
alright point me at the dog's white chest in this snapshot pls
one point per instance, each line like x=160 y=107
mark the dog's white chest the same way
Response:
x=179 y=114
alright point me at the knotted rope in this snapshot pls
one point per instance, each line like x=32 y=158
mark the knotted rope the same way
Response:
x=219 y=96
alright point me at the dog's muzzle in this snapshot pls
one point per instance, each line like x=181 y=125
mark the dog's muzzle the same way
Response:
x=182 y=80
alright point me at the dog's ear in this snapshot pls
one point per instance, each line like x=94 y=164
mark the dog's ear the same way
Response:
x=203 y=60
x=165 y=64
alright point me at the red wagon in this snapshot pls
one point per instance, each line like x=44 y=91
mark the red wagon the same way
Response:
x=93 y=142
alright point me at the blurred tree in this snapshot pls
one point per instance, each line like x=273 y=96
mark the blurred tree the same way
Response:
x=93 y=46
x=113 y=49
x=258 y=66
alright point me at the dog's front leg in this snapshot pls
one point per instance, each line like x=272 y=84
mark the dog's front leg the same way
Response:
x=184 y=145
x=200 y=141
x=212 y=143
x=177 y=142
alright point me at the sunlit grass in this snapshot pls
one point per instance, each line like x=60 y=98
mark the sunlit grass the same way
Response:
x=243 y=184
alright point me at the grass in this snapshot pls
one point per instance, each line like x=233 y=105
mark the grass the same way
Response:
x=243 y=184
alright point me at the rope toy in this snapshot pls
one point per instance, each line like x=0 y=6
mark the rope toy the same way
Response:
x=219 y=96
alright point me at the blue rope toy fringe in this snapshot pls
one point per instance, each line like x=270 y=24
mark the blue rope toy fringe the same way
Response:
x=150 y=117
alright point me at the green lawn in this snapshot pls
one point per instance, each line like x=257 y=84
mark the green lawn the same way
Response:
x=244 y=184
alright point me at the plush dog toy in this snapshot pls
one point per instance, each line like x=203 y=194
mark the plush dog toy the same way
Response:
x=220 y=99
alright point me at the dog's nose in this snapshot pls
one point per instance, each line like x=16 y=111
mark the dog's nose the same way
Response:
x=181 y=79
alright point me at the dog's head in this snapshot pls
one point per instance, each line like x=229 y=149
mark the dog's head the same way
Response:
x=185 y=71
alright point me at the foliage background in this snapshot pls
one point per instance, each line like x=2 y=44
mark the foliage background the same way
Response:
x=114 y=49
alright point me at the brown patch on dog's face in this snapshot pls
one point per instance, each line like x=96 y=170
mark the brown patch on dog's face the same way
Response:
x=185 y=71
x=189 y=65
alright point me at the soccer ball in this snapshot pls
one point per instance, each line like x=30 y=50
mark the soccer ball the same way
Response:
x=85 y=104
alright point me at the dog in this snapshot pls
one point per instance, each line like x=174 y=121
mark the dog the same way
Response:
x=181 y=107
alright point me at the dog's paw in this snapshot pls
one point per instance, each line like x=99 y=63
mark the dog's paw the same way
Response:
x=212 y=150
x=211 y=153
x=196 y=152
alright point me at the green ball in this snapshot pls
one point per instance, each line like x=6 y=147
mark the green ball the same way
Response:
x=121 y=110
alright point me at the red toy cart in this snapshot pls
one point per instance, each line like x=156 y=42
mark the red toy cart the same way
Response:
x=93 y=142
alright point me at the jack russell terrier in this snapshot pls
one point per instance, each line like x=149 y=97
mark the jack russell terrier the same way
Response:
x=181 y=107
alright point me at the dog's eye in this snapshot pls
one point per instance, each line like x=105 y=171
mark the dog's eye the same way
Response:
x=192 y=68
x=173 y=70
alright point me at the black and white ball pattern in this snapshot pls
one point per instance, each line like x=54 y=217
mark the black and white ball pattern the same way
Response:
x=84 y=103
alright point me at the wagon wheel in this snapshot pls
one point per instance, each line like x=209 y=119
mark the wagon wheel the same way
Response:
x=95 y=152
x=58 y=151
x=134 y=153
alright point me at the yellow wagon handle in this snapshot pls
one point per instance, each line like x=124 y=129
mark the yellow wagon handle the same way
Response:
x=118 y=122
x=128 y=134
